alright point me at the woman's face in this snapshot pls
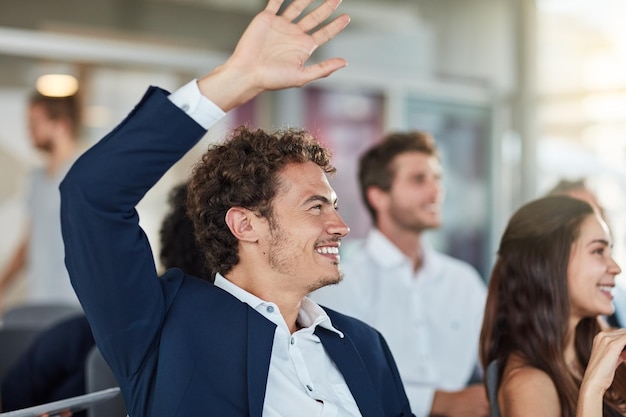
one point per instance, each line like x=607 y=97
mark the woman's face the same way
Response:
x=591 y=270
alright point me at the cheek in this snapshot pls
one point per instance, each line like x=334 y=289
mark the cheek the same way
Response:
x=575 y=286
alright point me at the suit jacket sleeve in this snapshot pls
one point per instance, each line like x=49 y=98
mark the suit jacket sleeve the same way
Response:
x=106 y=252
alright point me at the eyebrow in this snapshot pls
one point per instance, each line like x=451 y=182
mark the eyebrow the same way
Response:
x=319 y=198
x=602 y=241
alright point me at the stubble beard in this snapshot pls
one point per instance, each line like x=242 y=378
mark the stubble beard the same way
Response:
x=45 y=147
x=323 y=282
x=405 y=220
x=281 y=259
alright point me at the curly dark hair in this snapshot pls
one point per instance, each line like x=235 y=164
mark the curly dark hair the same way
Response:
x=243 y=172
x=178 y=242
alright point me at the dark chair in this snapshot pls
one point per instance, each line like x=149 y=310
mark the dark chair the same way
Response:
x=13 y=342
x=38 y=316
x=98 y=377
x=492 y=379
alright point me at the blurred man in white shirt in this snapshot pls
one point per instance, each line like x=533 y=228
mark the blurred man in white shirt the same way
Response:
x=428 y=305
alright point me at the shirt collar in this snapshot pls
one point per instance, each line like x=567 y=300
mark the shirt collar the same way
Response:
x=309 y=316
x=238 y=292
x=383 y=251
x=386 y=254
x=312 y=315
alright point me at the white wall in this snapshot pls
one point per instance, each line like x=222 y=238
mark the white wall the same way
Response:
x=474 y=40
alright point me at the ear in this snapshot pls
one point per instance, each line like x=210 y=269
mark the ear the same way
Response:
x=377 y=197
x=239 y=221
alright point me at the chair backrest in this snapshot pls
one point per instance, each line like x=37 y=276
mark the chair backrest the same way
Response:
x=14 y=342
x=492 y=377
x=99 y=376
x=38 y=316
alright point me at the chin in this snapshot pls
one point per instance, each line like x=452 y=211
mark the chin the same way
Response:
x=608 y=312
x=436 y=224
x=329 y=280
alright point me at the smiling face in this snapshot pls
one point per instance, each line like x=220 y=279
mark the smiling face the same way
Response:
x=414 y=200
x=591 y=271
x=305 y=230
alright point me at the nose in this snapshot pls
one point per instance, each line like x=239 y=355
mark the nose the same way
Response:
x=613 y=267
x=337 y=226
x=435 y=188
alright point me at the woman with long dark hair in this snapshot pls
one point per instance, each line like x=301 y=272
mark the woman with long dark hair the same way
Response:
x=549 y=288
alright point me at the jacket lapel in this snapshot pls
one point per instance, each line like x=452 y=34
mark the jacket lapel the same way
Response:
x=345 y=355
x=259 y=351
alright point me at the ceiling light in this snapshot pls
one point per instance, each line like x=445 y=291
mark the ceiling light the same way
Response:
x=57 y=85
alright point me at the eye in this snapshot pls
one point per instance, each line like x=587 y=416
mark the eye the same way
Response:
x=419 y=179
x=599 y=251
x=317 y=207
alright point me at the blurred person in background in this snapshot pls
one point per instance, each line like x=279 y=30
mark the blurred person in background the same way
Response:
x=578 y=189
x=53 y=124
x=427 y=305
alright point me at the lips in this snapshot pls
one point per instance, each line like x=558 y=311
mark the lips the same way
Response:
x=607 y=290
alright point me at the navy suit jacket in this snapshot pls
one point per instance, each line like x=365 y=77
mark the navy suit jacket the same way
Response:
x=180 y=346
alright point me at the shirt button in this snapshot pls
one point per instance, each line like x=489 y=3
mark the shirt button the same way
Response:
x=185 y=107
x=270 y=309
x=293 y=341
x=310 y=388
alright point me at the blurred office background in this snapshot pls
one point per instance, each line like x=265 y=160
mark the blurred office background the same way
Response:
x=518 y=93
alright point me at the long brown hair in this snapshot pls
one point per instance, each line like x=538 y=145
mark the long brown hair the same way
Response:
x=527 y=308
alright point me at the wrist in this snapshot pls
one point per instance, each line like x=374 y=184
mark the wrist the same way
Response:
x=228 y=87
x=590 y=399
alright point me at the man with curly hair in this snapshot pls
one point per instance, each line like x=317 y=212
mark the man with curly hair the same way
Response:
x=252 y=343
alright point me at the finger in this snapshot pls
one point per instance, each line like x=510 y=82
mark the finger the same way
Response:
x=273 y=6
x=318 y=15
x=329 y=31
x=293 y=10
x=323 y=69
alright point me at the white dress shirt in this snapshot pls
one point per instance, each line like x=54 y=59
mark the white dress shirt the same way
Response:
x=431 y=319
x=302 y=379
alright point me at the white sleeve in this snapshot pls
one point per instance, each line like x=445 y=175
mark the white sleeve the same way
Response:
x=198 y=107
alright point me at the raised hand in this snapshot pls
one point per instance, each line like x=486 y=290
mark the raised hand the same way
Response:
x=607 y=354
x=273 y=51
